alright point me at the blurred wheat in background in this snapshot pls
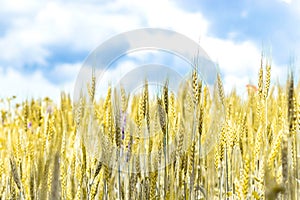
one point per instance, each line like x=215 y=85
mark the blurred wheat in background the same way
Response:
x=81 y=151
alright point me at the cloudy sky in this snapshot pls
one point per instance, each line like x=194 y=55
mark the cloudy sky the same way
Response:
x=43 y=44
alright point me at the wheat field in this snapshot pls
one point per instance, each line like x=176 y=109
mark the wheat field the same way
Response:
x=186 y=145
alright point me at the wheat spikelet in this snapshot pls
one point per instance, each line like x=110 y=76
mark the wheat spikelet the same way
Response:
x=180 y=139
x=172 y=107
x=25 y=116
x=146 y=107
x=165 y=97
x=246 y=171
x=124 y=100
x=15 y=173
x=275 y=149
x=153 y=180
x=291 y=106
x=141 y=113
x=217 y=158
x=268 y=79
x=261 y=79
x=200 y=122
x=222 y=143
x=94 y=188
x=97 y=170
x=63 y=180
x=79 y=112
x=258 y=143
x=161 y=115
x=221 y=90
x=284 y=158
x=117 y=125
x=92 y=87
x=195 y=87
x=132 y=186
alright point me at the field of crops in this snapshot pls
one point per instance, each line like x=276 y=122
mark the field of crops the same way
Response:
x=188 y=145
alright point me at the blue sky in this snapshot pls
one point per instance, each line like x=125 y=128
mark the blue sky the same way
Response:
x=44 y=43
x=266 y=23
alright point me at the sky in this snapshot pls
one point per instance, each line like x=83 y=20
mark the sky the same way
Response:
x=44 y=44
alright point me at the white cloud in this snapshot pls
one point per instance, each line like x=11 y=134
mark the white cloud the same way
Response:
x=26 y=86
x=165 y=14
x=19 y=6
x=80 y=25
x=239 y=63
x=112 y=76
x=65 y=72
x=287 y=1
x=240 y=59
